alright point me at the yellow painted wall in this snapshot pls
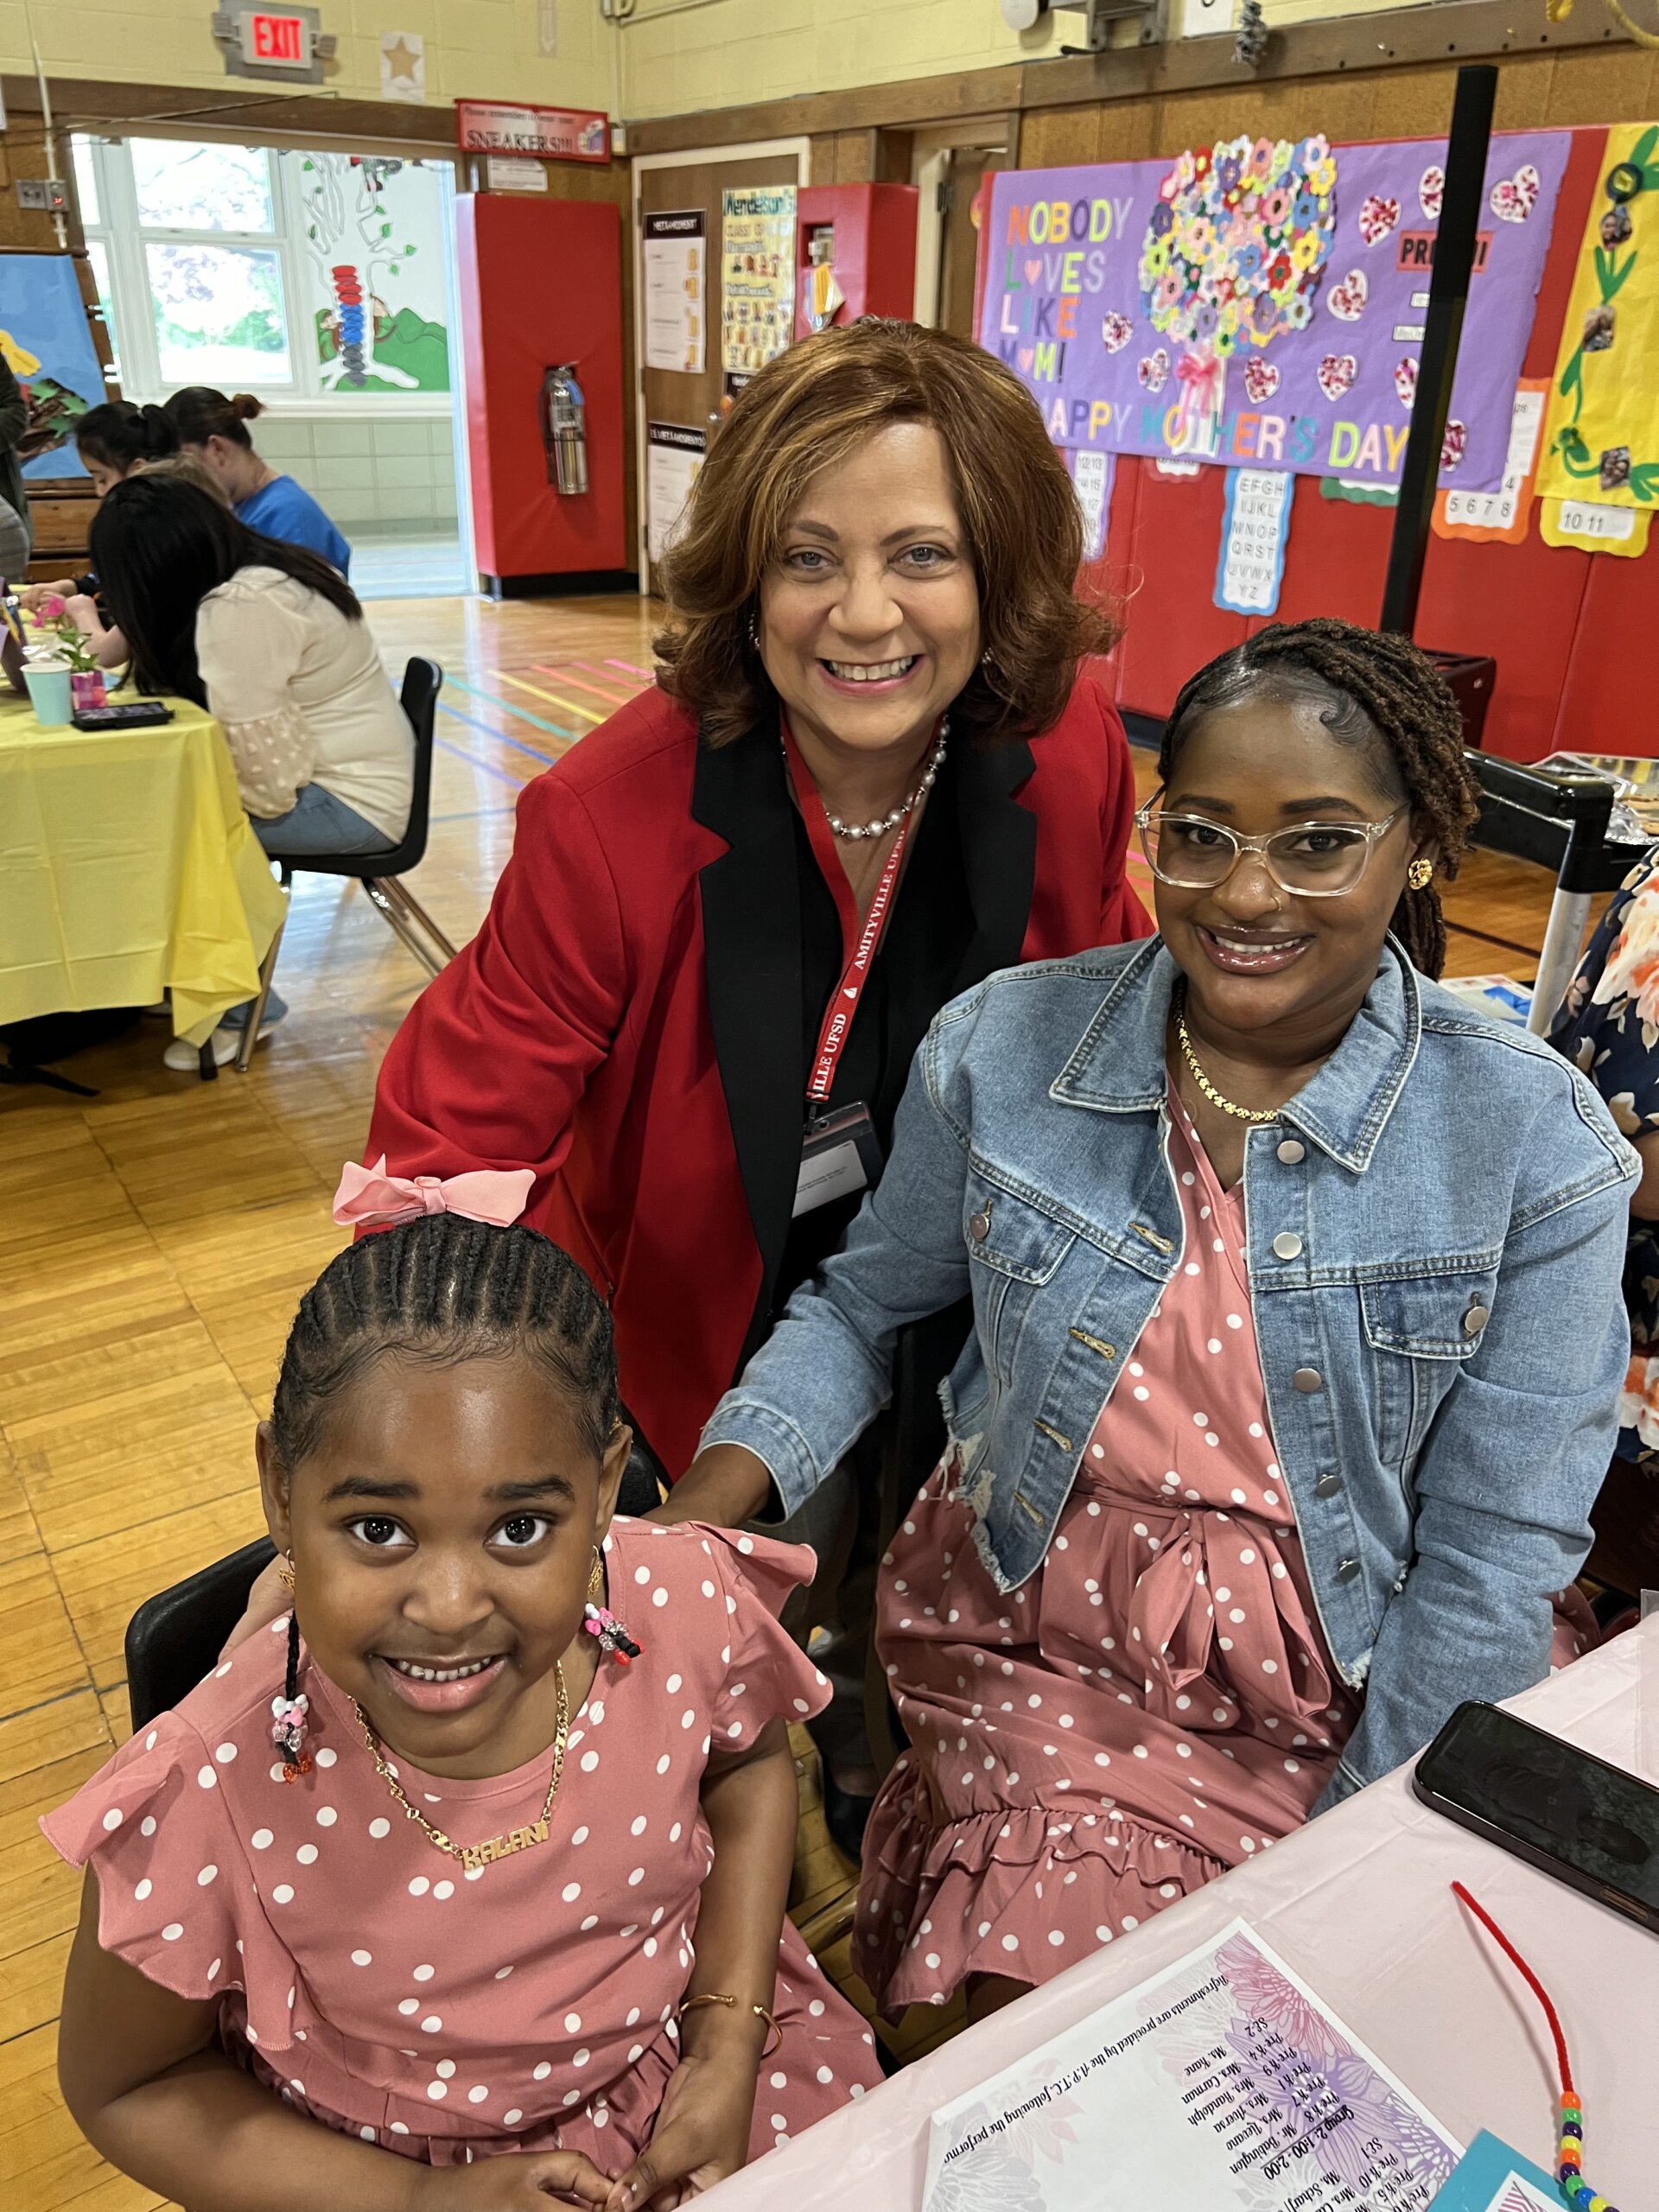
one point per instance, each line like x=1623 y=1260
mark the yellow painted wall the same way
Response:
x=667 y=59
x=483 y=49
x=726 y=53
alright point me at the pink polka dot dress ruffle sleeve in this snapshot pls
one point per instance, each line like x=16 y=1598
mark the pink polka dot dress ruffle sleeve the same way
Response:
x=372 y=1983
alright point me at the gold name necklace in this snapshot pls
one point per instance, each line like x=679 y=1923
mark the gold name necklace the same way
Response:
x=474 y=1857
x=1238 y=1113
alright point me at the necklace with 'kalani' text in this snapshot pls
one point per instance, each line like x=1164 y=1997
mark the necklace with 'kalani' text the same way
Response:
x=475 y=1856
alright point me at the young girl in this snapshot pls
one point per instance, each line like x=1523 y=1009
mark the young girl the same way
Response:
x=453 y=1866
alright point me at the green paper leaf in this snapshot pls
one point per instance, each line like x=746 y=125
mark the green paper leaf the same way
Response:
x=1644 y=146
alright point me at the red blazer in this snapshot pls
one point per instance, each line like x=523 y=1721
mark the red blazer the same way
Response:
x=628 y=1021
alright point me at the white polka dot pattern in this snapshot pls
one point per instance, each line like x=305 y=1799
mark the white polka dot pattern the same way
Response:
x=316 y=1901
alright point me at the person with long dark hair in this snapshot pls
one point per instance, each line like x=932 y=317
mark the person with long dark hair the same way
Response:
x=272 y=640
x=215 y=430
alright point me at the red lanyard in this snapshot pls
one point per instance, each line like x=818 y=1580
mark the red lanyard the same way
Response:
x=838 y=1020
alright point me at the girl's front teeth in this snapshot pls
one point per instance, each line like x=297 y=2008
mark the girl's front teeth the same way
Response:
x=880 y=671
x=442 y=1673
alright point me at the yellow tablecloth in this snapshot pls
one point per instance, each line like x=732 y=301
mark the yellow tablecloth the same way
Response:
x=128 y=868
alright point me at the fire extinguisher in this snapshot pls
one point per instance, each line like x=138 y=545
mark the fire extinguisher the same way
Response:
x=564 y=430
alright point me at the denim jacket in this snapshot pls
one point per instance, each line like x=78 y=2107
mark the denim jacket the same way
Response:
x=1434 y=1232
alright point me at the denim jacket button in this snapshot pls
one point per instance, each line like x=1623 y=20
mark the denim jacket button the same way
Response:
x=1308 y=1380
x=979 y=1224
x=1347 y=1569
x=1287 y=1245
x=1292 y=1153
x=1328 y=1485
x=1476 y=1318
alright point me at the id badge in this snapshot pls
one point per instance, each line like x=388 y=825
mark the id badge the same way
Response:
x=841 y=1154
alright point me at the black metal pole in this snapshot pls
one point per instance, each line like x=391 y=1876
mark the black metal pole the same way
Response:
x=1448 y=294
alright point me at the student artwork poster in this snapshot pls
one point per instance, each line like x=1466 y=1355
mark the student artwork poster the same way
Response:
x=1261 y=301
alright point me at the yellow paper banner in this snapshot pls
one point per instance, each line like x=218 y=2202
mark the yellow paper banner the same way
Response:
x=1601 y=438
x=1595 y=527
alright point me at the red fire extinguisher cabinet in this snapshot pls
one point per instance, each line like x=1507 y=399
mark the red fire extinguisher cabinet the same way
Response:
x=541 y=288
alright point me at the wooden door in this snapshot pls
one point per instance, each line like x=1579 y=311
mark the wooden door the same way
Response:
x=970 y=166
x=680 y=396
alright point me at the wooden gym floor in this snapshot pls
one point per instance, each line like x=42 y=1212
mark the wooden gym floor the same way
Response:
x=154 y=1241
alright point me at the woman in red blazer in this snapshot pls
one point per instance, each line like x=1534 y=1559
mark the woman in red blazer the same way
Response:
x=878 y=566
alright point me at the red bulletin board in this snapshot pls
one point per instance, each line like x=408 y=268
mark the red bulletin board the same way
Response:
x=1560 y=623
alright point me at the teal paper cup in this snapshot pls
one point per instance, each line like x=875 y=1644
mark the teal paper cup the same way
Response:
x=49 y=696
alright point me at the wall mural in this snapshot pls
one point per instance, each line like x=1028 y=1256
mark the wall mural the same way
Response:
x=378 y=301
x=45 y=337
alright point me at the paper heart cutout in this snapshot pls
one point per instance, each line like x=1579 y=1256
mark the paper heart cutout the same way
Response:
x=1512 y=199
x=1025 y=357
x=1405 y=380
x=1346 y=300
x=1115 y=331
x=1337 y=371
x=1452 y=445
x=1431 y=192
x=1261 y=378
x=1033 y=272
x=1154 y=370
x=1377 y=217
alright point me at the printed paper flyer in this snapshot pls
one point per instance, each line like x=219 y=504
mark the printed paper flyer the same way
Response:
x=1261 y=301
x=757 y=250
x=1222 y=2082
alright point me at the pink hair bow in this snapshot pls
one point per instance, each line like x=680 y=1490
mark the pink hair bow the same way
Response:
x=369 y=1198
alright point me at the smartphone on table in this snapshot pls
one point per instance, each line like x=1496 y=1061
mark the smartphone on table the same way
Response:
x=1589 y=1824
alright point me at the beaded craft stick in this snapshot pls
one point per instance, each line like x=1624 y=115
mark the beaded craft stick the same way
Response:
x=1569 y=2171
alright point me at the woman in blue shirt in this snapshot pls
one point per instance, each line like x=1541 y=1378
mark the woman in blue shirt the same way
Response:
x=216 y=429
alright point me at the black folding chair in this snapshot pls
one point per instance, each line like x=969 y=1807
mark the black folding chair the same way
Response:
x=173 y=1640
x=380 y=873
x=1558 y=820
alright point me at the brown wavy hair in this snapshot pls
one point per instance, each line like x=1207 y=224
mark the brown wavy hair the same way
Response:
x=808 y=410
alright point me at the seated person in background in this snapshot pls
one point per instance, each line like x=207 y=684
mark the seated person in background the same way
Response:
x=114 y=441
x=506 y=1906
x=1297 y=1343
x=215 y=430
x=272 y=640
x=1606 y=1025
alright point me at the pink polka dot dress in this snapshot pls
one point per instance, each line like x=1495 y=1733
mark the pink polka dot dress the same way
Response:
x=1156 y=1704
x=374 y=1984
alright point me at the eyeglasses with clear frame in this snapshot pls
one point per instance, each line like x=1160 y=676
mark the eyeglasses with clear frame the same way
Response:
x=1311 y=860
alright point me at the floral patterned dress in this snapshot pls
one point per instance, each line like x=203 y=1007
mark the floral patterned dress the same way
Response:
x=1608 y=1026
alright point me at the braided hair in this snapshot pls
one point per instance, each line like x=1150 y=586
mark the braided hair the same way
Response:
x=441 y=1290
x=1372 y=687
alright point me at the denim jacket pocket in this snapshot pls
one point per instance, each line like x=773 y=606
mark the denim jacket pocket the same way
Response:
x=1425 y=1328
x=1015 y=1248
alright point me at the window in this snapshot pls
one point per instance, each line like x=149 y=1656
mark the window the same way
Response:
x=292 y=275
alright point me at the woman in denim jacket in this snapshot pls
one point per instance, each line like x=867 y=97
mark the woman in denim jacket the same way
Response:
x=1296 y=1355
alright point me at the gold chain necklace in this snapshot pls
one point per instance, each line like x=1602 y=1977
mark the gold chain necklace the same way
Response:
x=475 y=1857
x=1238 y=1113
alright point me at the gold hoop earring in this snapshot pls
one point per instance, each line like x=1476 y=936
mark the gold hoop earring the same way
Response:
x=1420 y=875
x=285 y=1572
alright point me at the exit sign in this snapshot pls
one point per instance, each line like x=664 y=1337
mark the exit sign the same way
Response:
x=282 y=41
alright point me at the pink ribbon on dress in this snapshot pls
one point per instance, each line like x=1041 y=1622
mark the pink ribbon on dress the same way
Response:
x=369 y=1198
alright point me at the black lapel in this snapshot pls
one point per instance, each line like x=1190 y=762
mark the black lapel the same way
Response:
x=999 y=854
x=752 y=951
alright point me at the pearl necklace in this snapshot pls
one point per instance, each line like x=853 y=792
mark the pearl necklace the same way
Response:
x=853 y=832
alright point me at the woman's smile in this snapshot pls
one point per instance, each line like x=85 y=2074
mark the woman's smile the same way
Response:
x=1251 y=952
x=882 y=676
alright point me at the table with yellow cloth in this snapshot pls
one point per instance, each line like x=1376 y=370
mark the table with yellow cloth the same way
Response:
x=128 y=868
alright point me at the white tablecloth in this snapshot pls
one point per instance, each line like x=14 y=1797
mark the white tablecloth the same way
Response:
x=1358 y=1903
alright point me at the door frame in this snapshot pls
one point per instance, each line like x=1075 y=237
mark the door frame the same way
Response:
x=933 y=147
x=750 y=150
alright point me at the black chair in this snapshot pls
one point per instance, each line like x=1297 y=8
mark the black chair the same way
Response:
x=380 y=873
x=1559 y=820
x=173 y=1640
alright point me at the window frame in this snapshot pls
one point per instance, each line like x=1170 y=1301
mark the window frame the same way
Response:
x=131 y=306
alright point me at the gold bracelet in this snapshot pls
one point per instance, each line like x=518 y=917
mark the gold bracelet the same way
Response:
x=716 y=1996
